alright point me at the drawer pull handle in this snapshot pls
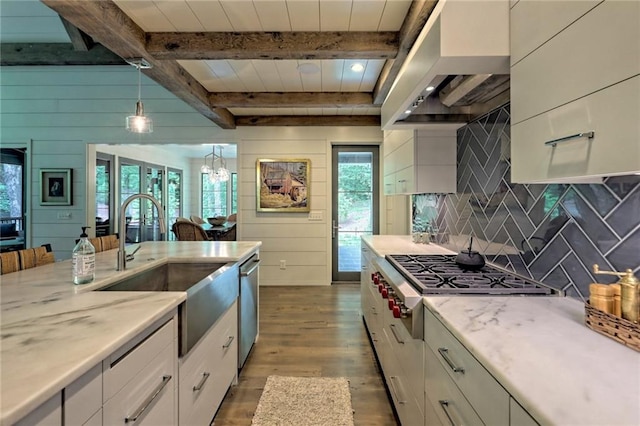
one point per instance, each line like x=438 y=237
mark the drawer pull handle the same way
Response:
x=392 y=380
x=199 y=386
x=147 y=402
x=555 y=142
x=395 y=334
x=444 y=352
x=226 y=345
x=445 y=407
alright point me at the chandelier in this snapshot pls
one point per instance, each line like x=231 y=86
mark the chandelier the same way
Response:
x=139 y=123
x=221 y=174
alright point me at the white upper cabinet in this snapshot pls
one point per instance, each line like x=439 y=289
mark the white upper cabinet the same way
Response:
x=575 y=90
x=419 y=161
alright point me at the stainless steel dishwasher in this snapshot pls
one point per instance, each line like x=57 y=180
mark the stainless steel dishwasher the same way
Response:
x=248 y=309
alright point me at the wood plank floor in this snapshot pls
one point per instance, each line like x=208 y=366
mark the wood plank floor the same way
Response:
x=311 y=331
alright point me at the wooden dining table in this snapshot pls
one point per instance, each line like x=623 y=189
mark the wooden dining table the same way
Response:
x=214 y=231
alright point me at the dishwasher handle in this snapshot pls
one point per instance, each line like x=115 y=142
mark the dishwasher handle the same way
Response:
x=248 y=269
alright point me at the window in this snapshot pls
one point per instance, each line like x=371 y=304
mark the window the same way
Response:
x=234 y=193
x=214 y=197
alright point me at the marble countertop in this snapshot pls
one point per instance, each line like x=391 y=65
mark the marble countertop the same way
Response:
x=382 y=245
x=52 y=331
x=544 y=355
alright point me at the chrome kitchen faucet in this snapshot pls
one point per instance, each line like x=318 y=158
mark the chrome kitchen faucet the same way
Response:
x=122 y=255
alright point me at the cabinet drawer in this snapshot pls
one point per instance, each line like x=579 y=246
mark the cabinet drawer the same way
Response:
x=47 y=414
x=121 y=367
x=209 y=370
x=448 y=404
x=409 y=406
x=409 y=355
x=485 y=394
x=157 y=378
x=534 y=22
x=83 y=398
x=598 y=50
x=613 y=150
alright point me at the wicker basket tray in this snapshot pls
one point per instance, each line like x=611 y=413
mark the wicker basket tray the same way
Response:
x=619 y=329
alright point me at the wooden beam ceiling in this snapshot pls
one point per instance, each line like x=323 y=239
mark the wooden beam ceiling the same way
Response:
x=273 y=45
x=104 y=23
x=291 y=99
x=309 y=120
x=25 y=54
x=81 y=41
x=111 y=27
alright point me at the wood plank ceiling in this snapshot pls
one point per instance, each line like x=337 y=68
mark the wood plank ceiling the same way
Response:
x=251 y=62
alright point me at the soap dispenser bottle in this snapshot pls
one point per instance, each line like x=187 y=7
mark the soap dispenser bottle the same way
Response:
x=629 y=289
x=83 y=260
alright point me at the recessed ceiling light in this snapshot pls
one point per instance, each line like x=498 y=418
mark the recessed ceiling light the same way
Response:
x=357 y=67
x=430 y=89
x=308 y=68
x=408 y=111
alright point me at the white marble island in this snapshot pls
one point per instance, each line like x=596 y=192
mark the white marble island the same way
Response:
x=53 y=331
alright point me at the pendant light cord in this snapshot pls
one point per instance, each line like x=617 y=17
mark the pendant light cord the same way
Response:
x=139 y=82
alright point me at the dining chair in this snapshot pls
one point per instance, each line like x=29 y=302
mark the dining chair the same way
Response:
x=196 y=219
x=189 y=231
x=37 y=256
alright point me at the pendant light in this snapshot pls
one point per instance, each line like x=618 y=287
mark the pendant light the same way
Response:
x=221 y=174
x=139 y=123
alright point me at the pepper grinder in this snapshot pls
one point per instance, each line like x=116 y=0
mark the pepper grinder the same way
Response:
x=629 y=286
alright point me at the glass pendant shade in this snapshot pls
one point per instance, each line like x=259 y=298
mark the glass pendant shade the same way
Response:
x=221 y=174
x=139 y=123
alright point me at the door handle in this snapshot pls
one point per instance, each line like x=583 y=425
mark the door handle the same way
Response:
x=334 y=228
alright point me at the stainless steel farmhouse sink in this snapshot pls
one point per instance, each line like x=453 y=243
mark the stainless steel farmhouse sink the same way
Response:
x=211 y=289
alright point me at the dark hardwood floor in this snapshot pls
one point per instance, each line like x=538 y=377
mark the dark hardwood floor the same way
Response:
x=311 y=331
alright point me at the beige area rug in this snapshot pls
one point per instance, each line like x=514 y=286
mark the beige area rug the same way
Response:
x=304 y=401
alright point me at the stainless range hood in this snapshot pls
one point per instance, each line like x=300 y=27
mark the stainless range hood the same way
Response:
x=463 y=54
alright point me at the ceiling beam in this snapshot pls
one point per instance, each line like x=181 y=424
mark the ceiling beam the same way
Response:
x=416 y=18
x=309 y=120
x=81 y=41
x=25 y=54
x=111 y=27
x=273 y=45
x=291 y=99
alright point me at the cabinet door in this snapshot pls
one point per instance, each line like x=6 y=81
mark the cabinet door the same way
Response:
x=535 y=22
x=83 y=398
x=614 y=148
x=209 y=370
x=596 y=51
x=47 y=414
x=449 y=404
x=149 y=397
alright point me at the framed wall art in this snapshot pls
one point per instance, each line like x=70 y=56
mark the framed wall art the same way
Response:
x=56 y=187
x=283 y=185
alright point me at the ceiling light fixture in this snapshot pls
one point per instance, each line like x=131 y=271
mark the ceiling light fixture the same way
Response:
x=139 y=123
x=357 y=67
x=308 y=68
x=430 y=89
x=222 y=173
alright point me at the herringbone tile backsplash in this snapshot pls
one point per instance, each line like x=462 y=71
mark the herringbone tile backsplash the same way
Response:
x=553 y=233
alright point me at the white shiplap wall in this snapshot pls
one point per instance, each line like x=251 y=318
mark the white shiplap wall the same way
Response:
x=62 y=110
x=65 y=109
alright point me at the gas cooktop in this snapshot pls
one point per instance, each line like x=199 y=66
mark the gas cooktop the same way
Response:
x=439 y=274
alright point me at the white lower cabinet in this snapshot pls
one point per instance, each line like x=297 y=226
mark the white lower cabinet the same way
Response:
x=83 y=399
x=140 y=381
x=458 y=389
x=47 y=414
x=208 y=370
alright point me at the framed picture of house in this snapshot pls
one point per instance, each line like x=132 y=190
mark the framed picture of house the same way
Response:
x=283 y=185
x=56 y=187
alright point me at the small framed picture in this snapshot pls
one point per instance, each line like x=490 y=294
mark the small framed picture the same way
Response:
x=56 y=187
x=282 y=185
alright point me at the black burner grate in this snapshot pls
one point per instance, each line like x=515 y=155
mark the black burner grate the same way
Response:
x=439 y=274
